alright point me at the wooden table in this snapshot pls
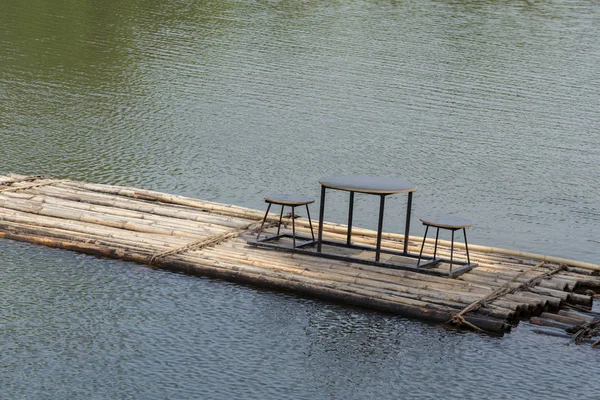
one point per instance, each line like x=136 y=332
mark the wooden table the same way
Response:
x=368 y=185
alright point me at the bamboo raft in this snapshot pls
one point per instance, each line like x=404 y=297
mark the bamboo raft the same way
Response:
x=205 y=238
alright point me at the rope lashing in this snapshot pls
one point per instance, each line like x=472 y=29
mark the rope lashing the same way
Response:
x=205 y=242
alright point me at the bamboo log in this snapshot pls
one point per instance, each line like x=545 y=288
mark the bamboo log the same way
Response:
x=585 y=310
x=588 y=284
x=103 y=219
x=561 y=318
x=84 y=227
x=575 y=316
x=129 y=243
x=582 y=271
x=476 y=278
x=168 y=198
x=580 y=299
x=560 y=334
x=547 y=322
x=150 y=218
x=21 y=185
x=554 y=282
x=490 y=310
x=537 y=303
x=12 y=178
x=166 y=210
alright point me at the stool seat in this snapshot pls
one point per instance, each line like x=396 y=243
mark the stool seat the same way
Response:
x=288 y=199
x=446 y=221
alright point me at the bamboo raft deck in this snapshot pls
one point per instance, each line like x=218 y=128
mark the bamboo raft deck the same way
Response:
x=210 y=239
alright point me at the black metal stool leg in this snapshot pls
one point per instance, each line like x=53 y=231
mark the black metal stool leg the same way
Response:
x=263 y=222
x=293 y=226
x=407 y=226
x=466 y=246
x=312 y=233
x=422 y=245
x=280 y=216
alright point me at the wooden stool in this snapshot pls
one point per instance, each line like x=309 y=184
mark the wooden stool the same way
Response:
x=445 y=222
x=290 y=200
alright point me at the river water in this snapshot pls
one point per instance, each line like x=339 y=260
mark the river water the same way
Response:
x=490 y=108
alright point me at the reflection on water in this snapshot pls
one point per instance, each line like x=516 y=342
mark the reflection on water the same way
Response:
x=490 y=108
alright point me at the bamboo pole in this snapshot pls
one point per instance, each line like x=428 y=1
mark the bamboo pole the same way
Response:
x=562 y=318
x=165 y=210
x=91 y=229
x=151 y=218
x=108 y=239
x=64 y=211
x=9 y=179
x=475 y=278
x=547 y=322
x=579 y=317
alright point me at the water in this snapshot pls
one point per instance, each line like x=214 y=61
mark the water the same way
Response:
x=489 y=107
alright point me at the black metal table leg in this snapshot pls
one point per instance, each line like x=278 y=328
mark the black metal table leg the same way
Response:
x=350 y=213
x=380 y=227
x=452 y=249
x=294 y=225
x=321 y=212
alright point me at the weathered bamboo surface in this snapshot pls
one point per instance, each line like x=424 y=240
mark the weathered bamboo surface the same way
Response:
x=207 y=238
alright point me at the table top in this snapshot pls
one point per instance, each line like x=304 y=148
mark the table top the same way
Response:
x=446 y=221
x=288 y=199
x=368 y=184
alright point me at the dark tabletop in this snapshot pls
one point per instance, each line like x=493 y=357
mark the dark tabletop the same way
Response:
x=368 y=184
